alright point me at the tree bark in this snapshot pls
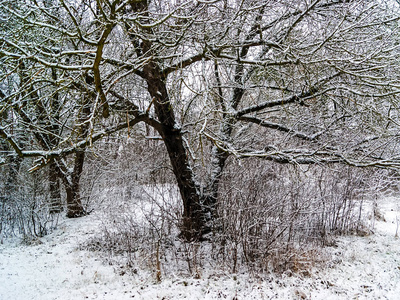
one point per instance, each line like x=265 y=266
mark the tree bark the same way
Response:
x=193 y=223
x=75 y=208
x=14 y=164
x=55 y=204
x=74 y=204
x=54 y=129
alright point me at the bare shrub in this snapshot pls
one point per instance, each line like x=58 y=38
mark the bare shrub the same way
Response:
x=271 y=217
x=24 y=206
x=268 y=211
x=138 y=233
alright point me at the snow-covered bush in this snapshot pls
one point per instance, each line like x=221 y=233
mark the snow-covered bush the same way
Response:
x=24 y=205
x=270 y=218
x=268 y=211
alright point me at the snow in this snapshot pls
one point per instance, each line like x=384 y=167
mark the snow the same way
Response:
x=56 y=267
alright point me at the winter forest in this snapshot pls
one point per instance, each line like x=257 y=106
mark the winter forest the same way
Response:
x=199 y=137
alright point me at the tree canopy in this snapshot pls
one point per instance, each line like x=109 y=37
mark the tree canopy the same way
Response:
x=301 y=82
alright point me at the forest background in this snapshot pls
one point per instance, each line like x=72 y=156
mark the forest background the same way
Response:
x=255 y=128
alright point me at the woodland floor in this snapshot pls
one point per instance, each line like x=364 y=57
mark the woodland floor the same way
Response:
x=54 y=267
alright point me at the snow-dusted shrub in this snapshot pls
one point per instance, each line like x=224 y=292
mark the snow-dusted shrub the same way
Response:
x=24 y=205
x=271 y=217
x=139 y=230
x=267 y=211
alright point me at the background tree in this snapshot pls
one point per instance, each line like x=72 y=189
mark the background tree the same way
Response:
x=303 y=82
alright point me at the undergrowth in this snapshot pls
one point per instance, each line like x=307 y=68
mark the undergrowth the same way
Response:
x=273 y=221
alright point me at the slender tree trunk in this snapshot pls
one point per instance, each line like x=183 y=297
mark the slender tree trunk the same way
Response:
x=54 y=188
x=71 y=179
x=10 y=192
x=54 y=129
x=12 y=167
x=218 y=163
x=11 y=184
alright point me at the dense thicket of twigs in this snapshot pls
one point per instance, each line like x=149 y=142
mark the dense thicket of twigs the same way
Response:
x=253 y=115
x=270 y=217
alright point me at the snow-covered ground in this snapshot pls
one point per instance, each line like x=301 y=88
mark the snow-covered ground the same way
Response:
x=55 y=268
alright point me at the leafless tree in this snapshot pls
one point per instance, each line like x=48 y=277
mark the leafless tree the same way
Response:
x=302 y=82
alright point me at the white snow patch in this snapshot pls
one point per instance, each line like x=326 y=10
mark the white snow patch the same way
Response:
x=55 y=268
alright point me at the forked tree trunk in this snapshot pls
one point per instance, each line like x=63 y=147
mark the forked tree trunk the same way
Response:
x=193 y=221
x=72 y=185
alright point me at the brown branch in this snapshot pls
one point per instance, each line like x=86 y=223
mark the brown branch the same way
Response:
x=48 y=156
x=289 y=100
x=11 y=141
x=279 y=127
x=184 y=63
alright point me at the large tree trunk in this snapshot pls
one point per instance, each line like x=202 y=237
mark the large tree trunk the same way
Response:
x=74 y=204
x=193 y=223
x=72 y=187
x=193 y=215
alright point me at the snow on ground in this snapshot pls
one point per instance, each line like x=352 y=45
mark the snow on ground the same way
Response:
x=54 y=268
